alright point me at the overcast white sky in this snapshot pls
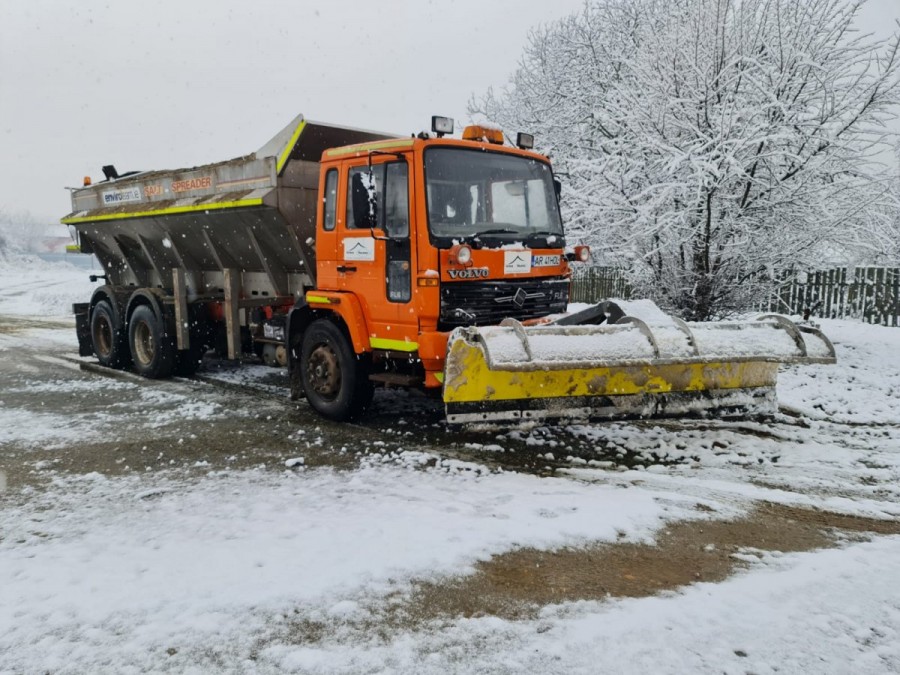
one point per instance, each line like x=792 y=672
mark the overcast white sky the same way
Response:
x=171 y=83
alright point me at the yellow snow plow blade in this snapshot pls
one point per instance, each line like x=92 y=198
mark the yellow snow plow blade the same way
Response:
x=630 y=368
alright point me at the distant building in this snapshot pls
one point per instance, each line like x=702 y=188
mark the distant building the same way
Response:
x=51 y=245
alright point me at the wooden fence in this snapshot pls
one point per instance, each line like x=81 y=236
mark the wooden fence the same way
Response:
x=592 y=284
x=869 y=294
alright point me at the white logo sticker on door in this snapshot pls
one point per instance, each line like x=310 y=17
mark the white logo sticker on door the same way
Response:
x=516 y=262
x=359 y=248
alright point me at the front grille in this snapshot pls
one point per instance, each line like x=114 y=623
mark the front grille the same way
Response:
x=483 y=303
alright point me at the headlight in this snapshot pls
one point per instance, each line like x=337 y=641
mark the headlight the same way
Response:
x=460 y=255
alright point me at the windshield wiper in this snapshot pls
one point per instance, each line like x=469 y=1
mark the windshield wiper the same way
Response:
x=498 y=231
x=548 y=239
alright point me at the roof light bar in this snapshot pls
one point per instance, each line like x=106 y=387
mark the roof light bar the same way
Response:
x=478 y=132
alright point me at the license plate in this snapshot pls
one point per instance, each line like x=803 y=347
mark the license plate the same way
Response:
x=544 y=260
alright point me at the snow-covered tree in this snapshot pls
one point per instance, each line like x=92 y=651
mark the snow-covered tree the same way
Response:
x=705 y=143
x=19 y=231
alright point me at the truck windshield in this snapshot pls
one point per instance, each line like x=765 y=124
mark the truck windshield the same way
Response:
x=477 y=194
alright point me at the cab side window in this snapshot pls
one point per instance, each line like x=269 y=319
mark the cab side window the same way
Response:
x=396 y=200
x=330 y=199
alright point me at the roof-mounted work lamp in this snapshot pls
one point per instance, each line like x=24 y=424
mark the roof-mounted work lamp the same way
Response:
x=525 y=141
x=441 y=126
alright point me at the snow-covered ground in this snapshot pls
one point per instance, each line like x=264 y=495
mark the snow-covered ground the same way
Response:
x=292 y=566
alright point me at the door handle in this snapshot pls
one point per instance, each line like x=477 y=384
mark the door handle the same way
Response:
x=346 y=268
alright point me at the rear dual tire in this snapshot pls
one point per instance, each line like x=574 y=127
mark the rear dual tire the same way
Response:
x=145 y=343
x=109 y=341
x=153 y=351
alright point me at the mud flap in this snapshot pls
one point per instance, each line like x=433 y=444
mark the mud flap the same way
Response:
x=82 y=311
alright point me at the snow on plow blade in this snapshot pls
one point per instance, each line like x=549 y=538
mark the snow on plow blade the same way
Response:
x=651 y=366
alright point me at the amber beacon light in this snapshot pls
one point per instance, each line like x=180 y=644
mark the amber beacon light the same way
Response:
x=476 y=132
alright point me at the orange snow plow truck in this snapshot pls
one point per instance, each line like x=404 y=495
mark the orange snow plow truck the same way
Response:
x=359 y=259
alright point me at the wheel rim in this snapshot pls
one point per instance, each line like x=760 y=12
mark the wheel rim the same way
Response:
x=103 y=336
x=144 y=347
x=323 y=372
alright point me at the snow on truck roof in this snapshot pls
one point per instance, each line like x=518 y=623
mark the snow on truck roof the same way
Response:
x=242 y=181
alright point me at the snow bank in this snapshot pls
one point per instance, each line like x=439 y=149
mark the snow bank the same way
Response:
x=862 y=388
x=30 y=286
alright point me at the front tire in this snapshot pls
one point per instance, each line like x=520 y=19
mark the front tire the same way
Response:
x=335 y=380
x=107 y=337
x=152 y=351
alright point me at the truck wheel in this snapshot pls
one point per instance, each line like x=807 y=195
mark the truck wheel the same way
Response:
x=152 y=351
x=106 y=337
x=335 y=381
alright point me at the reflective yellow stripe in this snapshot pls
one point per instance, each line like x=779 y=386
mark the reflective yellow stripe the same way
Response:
x=282 y=160
x=73 y=248
x=318 y=298
x=164 y=212
x=439 y=377
x=397 y=345
x=365 y=147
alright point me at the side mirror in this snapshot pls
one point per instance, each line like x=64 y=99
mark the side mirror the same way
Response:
x=557 y=186
x=363 y=198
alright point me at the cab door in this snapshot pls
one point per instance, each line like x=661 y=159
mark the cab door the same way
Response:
x=374 y=252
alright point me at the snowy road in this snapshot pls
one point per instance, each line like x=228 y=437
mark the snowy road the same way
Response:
x=188 y=527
